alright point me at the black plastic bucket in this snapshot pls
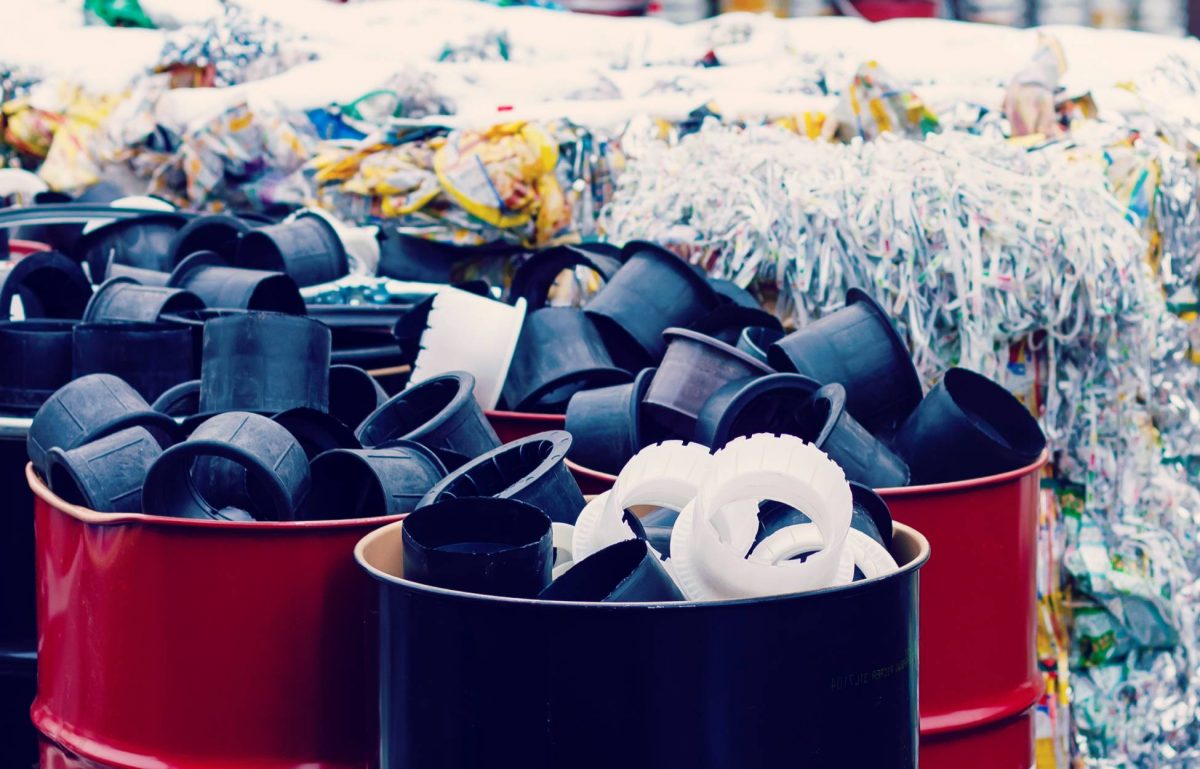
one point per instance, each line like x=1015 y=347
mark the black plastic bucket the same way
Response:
x=307 y=248
x=36 y=359
x=152 y=357
x=230 y=288
x=822 y=680
x=49 y=285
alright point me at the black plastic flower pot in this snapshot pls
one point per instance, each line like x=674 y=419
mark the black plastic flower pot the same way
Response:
x=364 y=483
x=407 y=257
x=530 y=695
x=232 y=288
x=870 y=515
x=499 y=547
x=653 y=291
x=307 y=248
x=88 y=408
x=537 y=274
x=608 y=425
x=824 y=422
x=968 y=427
x=137 y=274
x=858 y=348
x=731 y=293
x=316 y=431
x=48 y=284
x=766 y=404
x=182 y=400
x=559 y=353
x=756 y=340
x=218 y=233
x=441 y=414
x=410 y=327
x=106 y=474
x=530 y=470
x=123 y=298
x=657 y=526
x=264 y=362
x=143 y=242
x=627 y=572
x=353 y=394
x=694 y=367
x=151 y=357
x=36 y=357
x=727 y=322
x=273 y=487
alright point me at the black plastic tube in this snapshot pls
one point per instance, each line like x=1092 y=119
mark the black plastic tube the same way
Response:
x=123 y=298
x=558 y=353
x=316 y=431
x=48 y=284
x=537 y=273
x=755 y=340
x=36 y=361
x=217 y=232
x=276 y=479
x=871 y=516
x=307 y=248
x=353 y=394
x=143 y=242
x=726 y=322
x=608 y=425
x=968 y=427
x=825 y=422
x=363 y=483
x=152 y=357
x=626 y=572
x=731 y=293
x=499 y=547
x=182 y=400
x=766 y=404
x=530 y=470
x=224 y=287
x=106 y=474
x=145 y=277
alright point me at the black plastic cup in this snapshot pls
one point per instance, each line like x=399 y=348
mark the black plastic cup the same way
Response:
x=530 y=470
x=35 y=360
x=106 y=474
x=825 y=422
x=968 y=427
x=537 y=273
x=440 y=413
x=694 y=367
x=609 y=425
x=653 y=291
x=407 y=257
x=364 y=483
x=218 y=233
x=316 y=431
x=182 y=400
x=626 y=572
x=48 y=284
x=264 y=362
x=88 y=408
x=559 y=353
x=731 y=293
x=766 y=404
x=858 y=348
x=273 y=487
x=755 y=340
x=123 y=298
x=152 y=357
x=232 y=288
x=143 y=242
x=307 y=248
x=145 y=277
x=194 y=320
x=726 y=322
x=500 y=547
x=353 y=394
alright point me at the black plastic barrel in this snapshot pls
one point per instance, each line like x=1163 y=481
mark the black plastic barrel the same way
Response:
x=822 y=680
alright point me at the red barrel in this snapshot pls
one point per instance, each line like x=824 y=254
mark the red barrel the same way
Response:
x=514 y=425
x=979 y=675
x=197 y=644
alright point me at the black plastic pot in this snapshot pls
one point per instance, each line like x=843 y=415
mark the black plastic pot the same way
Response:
x=441 y=414
x=609 y=425
x=143 y=242
x=152 y=357
x=537 y=273
x=626 y=572
x=968 y=427
x=264 y=362
x=363 y=483
x=316 y=431
x=727 y=322
x=731 y=293
x=653 y=291
x=48 y=284
x=870 y=515
x=858 y=348
x=36 y=361
x=353 y=394
x=123 y=298
x=410 y=327
x=218 y=233
x=530 y=470
x=558 y=354
x=407 y=257
x=106 y=474
x=224 y=287
x=307 y=248
x=547 y=688
x=276 y=478
x=182 y=400
x=755 y=340
x=694 y=367
x=766 y=404
x=145 y=277
x=824 y=422
x=657 y=526
x=498 y=547
x=88 y=408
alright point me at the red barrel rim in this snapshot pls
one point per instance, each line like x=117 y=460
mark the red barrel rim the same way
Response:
x=525 y=416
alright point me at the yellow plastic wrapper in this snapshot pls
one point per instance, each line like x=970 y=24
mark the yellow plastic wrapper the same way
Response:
x=57 y=122
x=875 y=103
x=400 y=177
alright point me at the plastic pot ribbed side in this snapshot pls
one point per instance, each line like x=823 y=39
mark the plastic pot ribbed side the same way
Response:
x=192 y=644
x=734 y=684
x=977 y=603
